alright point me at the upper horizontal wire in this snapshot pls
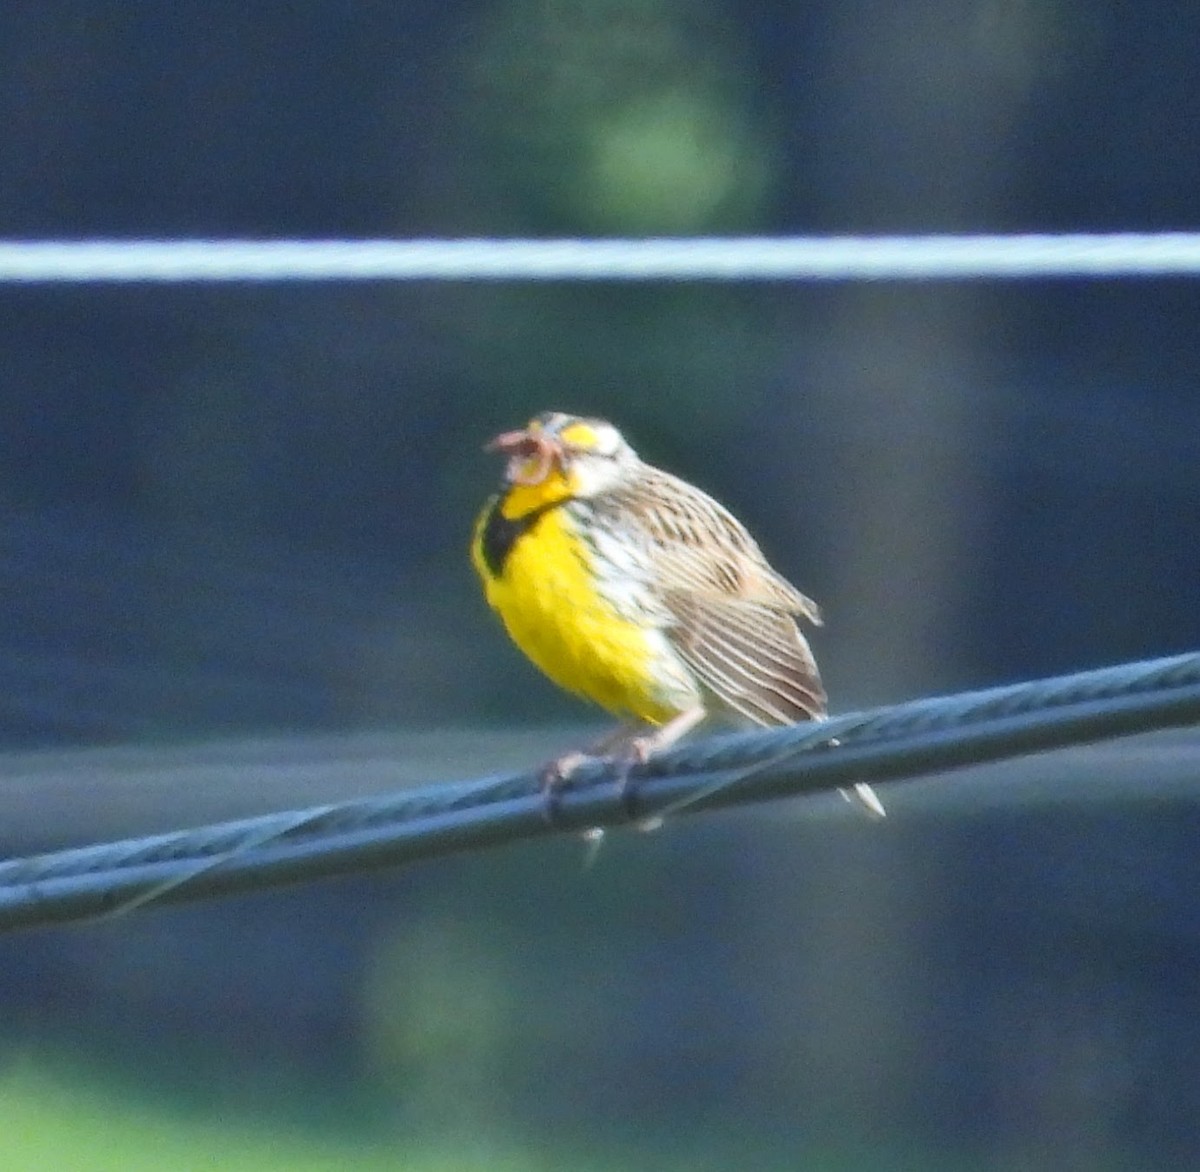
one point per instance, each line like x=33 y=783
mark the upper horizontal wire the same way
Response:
x=745 y=258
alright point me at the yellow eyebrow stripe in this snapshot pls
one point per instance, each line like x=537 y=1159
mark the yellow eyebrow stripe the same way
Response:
x=578 y=435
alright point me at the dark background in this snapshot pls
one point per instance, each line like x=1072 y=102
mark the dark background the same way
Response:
x=231 y=513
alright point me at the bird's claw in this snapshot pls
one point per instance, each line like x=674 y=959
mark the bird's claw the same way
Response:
x=553 y=776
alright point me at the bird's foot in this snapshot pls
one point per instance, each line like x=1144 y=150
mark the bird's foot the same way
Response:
x=622 y=750
x=553 y=776
x=637 y=751
x=633 y=751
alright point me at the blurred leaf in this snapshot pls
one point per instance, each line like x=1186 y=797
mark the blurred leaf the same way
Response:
x=620 y=116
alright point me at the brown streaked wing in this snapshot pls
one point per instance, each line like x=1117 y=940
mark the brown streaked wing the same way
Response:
x=752 y=657
x=699 y=545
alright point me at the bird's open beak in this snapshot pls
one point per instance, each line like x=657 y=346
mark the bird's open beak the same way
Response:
x=531 y=455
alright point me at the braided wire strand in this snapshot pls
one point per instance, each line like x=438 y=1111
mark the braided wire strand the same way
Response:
x=884 y=744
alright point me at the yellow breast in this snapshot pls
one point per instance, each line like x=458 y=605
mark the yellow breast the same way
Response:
x=540 y=577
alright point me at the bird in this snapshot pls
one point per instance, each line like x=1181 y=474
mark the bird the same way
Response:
x=636 y=590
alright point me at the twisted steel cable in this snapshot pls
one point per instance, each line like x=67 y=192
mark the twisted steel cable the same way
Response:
x=881 y=745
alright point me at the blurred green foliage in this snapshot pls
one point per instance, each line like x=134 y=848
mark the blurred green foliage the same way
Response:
x=616 y=117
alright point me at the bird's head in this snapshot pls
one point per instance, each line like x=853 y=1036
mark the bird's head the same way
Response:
x=565 y=455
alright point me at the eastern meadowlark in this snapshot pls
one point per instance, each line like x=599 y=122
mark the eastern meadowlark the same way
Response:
x=640 y=592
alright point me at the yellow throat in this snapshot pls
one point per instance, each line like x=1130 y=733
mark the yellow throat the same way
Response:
x=543 y=578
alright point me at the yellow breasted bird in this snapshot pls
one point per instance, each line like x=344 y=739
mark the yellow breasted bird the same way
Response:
x=638 y=591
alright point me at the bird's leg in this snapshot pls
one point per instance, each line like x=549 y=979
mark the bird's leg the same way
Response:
x=555 y=773
x=561 y=768
x=625 y=747
x=643 y=746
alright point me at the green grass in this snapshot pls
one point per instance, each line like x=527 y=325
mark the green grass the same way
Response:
x=57 y=1117
x=56 y=1114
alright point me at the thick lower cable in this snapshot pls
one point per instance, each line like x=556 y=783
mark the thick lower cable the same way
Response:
x=877 y=746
